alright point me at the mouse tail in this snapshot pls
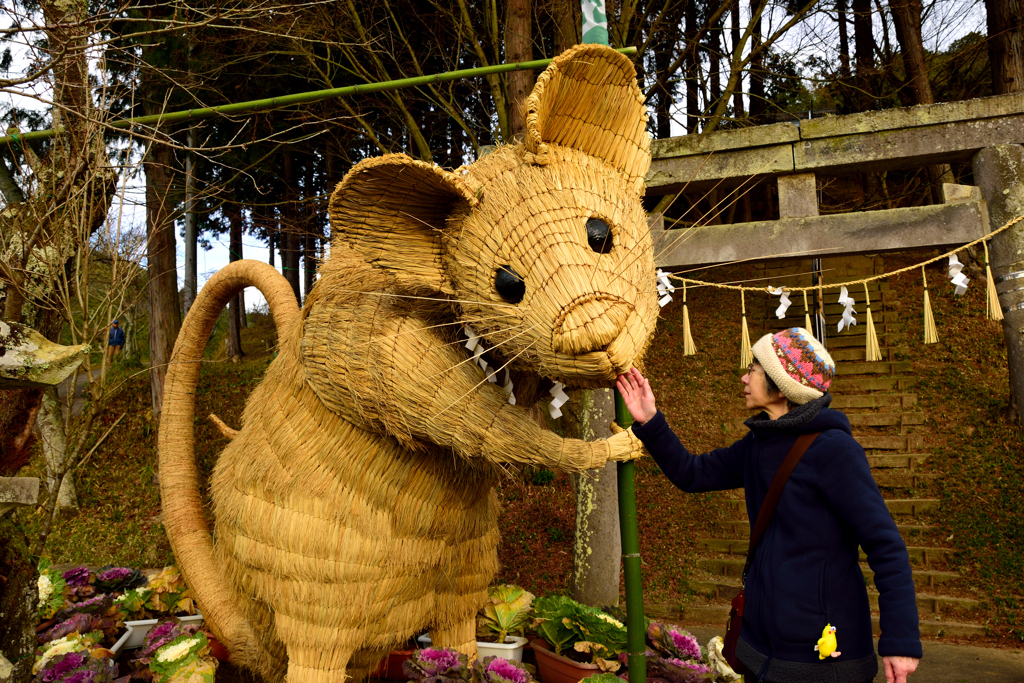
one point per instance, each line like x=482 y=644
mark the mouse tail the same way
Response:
x=180 y=493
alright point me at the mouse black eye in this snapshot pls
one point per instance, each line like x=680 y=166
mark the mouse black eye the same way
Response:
x=509 y=284
x=599 y=235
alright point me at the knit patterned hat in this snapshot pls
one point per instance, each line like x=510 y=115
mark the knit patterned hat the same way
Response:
x=797 y=363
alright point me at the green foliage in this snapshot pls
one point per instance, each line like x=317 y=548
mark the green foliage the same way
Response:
x=602 y=678
x=565 y=623
x=543 y=477
x=506 y=612
x=51 y=590
x=185 y=658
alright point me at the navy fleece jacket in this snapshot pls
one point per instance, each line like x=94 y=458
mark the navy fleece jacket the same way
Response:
x=805 y=572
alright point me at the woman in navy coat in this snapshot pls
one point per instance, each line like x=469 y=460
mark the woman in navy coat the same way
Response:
x=805 y=573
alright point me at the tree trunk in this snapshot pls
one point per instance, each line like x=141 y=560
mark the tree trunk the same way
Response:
x=567 y=21
x=18 y=409
x=235 y=311
x=289 y=228
x=906 y=17
x=844 y=40
x=1005 y=53
x=190 y=287
x=714 y=53
x=758 y=106
x=164 y=307
x=663 y=105
x=864 y=53
x=597 y=551
x=518 y=39
x=734 y=31
x=690 y=70
x=55 y=448
x=18 y=599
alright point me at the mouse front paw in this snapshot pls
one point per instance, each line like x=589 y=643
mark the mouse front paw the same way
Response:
x=624 y=445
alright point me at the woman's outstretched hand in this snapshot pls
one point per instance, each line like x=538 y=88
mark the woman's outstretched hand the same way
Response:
x=636 y=393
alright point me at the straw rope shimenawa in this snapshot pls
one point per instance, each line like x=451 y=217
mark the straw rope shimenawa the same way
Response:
x=355 y=506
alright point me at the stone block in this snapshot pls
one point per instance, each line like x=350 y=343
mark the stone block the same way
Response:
x=17 y=491
x=28 y=359
x=798 y=195
x=952 y=193
x=863 y=232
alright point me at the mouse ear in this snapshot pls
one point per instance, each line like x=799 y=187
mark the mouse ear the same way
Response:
x=392 y=210
x=588 y=99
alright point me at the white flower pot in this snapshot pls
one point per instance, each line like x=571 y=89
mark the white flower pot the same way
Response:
x=512 y=648
x=137 y=630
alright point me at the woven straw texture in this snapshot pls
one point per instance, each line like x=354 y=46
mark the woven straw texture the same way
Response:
x=355 y=506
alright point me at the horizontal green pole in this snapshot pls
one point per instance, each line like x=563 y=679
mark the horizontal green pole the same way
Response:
x=300 y=98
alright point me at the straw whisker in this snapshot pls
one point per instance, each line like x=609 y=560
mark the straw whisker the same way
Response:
x=496 y=346
x=482 y=382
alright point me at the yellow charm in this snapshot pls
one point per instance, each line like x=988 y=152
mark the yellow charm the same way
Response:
x=827 y=643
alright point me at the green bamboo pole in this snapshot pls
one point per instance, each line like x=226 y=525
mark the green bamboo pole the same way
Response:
x=595 y=30
x=251 y=106
x=635 y=626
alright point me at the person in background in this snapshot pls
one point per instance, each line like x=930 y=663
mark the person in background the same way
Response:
x=115 y=342
x=804 y=577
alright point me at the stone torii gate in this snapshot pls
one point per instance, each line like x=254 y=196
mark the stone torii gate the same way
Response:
x=988 y=132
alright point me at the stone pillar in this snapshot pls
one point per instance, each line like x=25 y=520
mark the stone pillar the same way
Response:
x=999 y=172
x=597 y=552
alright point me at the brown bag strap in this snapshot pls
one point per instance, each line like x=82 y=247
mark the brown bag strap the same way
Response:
x=771 y=499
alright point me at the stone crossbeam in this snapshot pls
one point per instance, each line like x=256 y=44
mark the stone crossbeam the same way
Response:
x=877 y=141
x=942 y=225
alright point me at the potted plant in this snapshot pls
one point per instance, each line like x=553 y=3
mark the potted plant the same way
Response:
x=674 y=656
x=438 y=665
x=578 y=640
x=501 y=670
x=500 y=624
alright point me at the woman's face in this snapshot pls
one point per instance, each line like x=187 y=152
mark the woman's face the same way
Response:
x=755 y=388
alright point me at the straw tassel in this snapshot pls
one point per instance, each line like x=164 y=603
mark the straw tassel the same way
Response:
x=992 y=310
x=746 y=355
x=931 y=335
x=872 y=352
x=689 y=348
x=807 y=315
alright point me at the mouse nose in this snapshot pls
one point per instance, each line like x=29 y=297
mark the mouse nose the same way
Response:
x=589 y=324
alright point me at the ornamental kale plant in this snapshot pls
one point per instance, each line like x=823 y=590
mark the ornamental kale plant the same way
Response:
x=78 y=667
x=166 y=631
x=51 y=586
x=438 y=665
x=79 y=576
x=186 y=658
x=506 y=612
x=674 y=642
x=565 y=624
x=112 y=579
x=499 y=670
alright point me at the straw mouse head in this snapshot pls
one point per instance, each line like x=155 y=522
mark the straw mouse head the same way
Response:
x=544 y=245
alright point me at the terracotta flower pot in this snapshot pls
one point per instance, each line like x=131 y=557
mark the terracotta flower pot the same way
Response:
x=554 y=668
x=391 y=668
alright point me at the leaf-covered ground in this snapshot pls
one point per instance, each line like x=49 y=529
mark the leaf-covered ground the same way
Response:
x=963 y=386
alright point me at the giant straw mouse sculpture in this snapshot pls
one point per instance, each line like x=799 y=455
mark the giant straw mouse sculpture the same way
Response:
x=356 y=504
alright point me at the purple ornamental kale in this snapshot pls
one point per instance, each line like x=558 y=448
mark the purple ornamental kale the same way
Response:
x=686 y=643
x=500 y=670
x=78 y=622
x=682 y=671
x=79 y=576
x=78 y=667
x=164 y=632
x=97 y=604
x=437 y=665
x=61 y=665
x=112 y=579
